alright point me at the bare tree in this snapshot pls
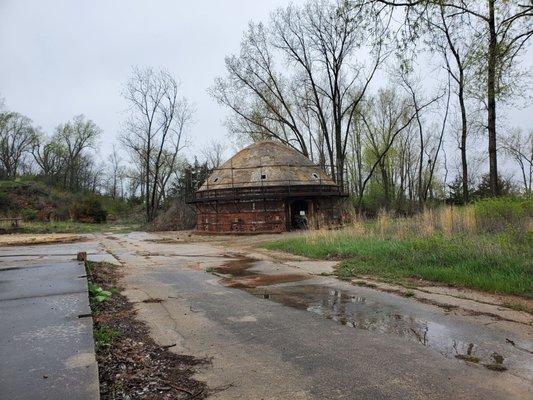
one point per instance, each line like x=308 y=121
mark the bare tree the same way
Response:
x=313 y=102
x=501 y=29
x=213 y=154
x=155 y=130
x=115 y=172
x=519 y=146
x=50 y=156
x=385 y=118
x=450 y=37
x=76 y=137
x=17 y=136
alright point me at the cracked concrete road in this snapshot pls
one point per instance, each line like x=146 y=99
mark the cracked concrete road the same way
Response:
x=313 y=337
x=46 y=333
x=277 y=329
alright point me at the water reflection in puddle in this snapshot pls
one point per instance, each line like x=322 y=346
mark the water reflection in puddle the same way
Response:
x=361 y=313
x=357 y=312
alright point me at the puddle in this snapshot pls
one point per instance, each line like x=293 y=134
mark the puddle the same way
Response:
x=359 y=312
x=242 y=276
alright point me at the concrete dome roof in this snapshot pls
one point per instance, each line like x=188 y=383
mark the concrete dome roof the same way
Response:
x=266 y=164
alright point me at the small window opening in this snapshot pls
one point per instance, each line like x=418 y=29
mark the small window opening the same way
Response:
x=215 y=180
x=263 y=176
x=315 y=175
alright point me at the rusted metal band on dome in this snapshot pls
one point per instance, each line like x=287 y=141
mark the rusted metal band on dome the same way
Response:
x=279 y=192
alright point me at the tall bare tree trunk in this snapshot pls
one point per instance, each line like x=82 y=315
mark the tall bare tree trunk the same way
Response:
x=491 y=102
x=147 y=183
x=464 y=132
x=386 y=186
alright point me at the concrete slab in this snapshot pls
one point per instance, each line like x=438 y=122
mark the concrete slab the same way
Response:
x=315 y=267
x=20 y=281
x=46 y=342
x=65 y=250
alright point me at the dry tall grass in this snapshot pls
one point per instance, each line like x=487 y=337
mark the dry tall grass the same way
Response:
x=486 y=245
x=446 y=221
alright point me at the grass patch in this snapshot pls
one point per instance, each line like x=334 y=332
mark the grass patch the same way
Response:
x=105 y=335
x=518 y=307
x=498 y=263
x=37 y=227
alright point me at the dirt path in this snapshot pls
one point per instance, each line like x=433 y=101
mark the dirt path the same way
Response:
x=274 y=329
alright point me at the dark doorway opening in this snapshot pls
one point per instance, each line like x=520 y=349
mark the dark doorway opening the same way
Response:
x=299 y=215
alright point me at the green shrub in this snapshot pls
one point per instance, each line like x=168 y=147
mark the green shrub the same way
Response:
x=499 y=213
x=28 y=214
x=5 y=202
x=61 y=213
x=88 y=210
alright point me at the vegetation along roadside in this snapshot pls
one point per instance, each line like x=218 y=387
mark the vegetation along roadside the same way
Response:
x=130 y=364
x=485 y=246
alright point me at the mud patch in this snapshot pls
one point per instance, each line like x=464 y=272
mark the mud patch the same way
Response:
x=246 y=318
x=30 y=240
x=260 y=280
x=469 y=356
x=164 y=240
x=497 y=364
x=153 y=300
x=239 y=274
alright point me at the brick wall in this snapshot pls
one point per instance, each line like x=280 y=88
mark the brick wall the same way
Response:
x=245 y=217
x=264 y=216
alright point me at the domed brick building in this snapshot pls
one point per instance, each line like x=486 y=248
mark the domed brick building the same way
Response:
x=267 y=187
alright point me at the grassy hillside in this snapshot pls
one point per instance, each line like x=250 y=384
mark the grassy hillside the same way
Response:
x=48 y=210
x=486 y=246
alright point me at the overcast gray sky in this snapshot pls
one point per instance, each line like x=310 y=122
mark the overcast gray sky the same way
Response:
x=59 y=58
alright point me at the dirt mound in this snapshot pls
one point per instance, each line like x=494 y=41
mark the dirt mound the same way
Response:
x=179 y=216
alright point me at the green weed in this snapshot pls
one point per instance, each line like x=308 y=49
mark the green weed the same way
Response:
x=97 y=294
x=104 y=335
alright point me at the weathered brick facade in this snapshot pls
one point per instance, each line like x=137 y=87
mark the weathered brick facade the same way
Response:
x=242 y=217
x=265 y=216
x=267 y=187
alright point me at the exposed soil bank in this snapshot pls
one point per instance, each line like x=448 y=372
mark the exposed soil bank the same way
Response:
x=131 y=365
